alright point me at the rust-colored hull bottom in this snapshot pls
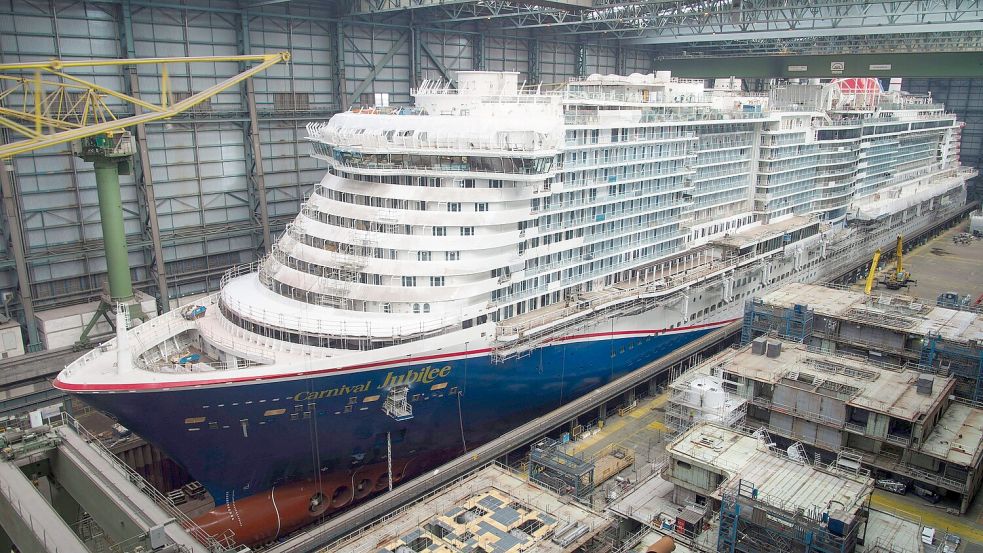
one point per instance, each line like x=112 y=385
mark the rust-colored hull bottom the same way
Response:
x=274 y=513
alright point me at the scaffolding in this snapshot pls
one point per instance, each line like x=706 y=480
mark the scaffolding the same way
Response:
x=750 y=522
x=964 y=361
x=551 y=467
x=793 y=323
x=699 y=396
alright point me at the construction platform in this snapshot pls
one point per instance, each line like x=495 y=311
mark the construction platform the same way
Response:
x=62 y=490
x=493 y=510
x=726 y=489
x=887 y=327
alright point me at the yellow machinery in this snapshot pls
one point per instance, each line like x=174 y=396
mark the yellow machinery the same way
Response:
x=41 y=96
x=872 y=274
x=47 y=105
x=899 y=278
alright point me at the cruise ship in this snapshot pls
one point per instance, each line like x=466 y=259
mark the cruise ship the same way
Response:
x=497 y=250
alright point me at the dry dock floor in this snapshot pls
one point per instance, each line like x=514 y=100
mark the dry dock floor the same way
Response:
x=914 y=508
x=639 y=429
x=940 y=265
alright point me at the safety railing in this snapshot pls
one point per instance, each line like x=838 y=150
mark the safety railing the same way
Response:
x=669 y=286
x=209 y=541
x=306 y=323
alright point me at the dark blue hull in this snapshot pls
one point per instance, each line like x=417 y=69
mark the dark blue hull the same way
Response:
x=242 y=438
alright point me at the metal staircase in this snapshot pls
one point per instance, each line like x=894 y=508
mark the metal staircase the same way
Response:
x=927 y=357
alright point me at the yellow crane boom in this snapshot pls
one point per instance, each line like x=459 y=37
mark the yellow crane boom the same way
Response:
x=71 y=107
x=898 y=254
x=45 y=104
x=872 y=274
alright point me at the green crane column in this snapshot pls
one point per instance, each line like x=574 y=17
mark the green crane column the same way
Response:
x=113 y=235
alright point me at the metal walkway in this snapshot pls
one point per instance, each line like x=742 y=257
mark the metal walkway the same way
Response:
x=25 y=381
x=107 y=490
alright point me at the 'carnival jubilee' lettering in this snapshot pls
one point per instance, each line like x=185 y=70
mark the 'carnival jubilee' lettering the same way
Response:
x=426 y=375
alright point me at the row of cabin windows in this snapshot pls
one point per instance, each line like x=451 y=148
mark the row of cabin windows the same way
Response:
x=456 y=206
x=442 y=231
x=471 y=164
x=373 y=226
x=378 y=253
x=421 y=181
x=428 y=256
x=410 y=281
x=317 y=298
x=391 y=203
x=375 y=279
x=417 y=307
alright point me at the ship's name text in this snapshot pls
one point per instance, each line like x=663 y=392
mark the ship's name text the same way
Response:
x=426 y=375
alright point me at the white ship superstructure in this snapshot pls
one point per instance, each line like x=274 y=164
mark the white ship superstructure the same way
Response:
x=487 y=202
x=490 y=201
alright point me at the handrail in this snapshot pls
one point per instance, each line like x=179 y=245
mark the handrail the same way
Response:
x=146 y=487
x=671 y=286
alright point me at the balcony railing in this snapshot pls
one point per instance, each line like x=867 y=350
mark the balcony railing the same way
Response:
x=900 y=440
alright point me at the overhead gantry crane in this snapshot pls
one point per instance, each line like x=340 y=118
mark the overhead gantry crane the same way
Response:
x=45 y=104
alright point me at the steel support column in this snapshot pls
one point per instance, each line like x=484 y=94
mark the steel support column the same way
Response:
x=417 y=48
x=532 y=54
x=113 y=232
x=254 y=156
x=18 y=247
x=142 y=173
x=620 y=61
x=340 y=78
x=581 y=60
x=478 y=52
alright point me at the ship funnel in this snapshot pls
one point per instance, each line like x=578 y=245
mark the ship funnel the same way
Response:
x=124 y=360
